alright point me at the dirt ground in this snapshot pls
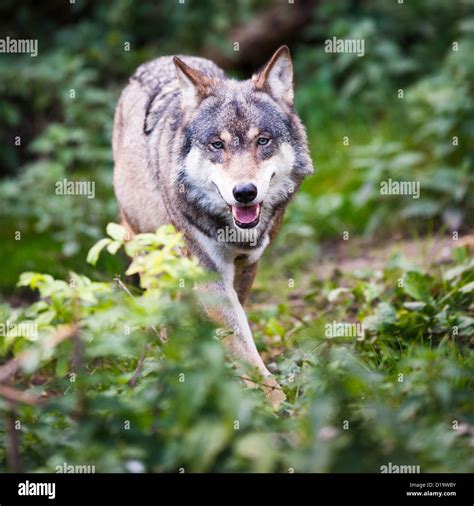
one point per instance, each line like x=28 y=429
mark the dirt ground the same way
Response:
x=357 y=254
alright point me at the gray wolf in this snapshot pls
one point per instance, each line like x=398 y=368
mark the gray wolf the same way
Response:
x=219 y=159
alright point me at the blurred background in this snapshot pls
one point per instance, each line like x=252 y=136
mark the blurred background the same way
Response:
x=399 y=106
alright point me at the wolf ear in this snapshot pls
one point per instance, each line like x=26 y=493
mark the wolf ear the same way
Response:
x=276 y=77
x=195 y=85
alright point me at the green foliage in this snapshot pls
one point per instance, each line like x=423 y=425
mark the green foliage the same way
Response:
x=439 y=154
x=141 y=382
x=404 y=116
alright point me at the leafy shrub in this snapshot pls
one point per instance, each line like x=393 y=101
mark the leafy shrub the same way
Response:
x=133 y=379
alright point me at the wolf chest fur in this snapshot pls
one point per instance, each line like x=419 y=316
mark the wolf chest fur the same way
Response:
x=219 y=159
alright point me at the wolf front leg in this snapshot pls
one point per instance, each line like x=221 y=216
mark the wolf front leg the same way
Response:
x=243 y=280
x=222 y=305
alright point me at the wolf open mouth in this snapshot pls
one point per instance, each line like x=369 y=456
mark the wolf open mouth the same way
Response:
x=246 y=216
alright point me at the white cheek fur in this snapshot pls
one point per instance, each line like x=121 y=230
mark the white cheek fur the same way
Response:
x=280 y=167
x=201 y=172
x=198 y=169
x=272 y=179
x=225 y=185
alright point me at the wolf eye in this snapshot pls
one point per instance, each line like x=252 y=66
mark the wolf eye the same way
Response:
x=217 y=145
x=263 y=141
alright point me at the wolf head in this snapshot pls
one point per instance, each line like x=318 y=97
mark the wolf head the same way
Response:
x=245 y=151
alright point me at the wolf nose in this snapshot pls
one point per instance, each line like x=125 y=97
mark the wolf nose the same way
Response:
x=245 y=193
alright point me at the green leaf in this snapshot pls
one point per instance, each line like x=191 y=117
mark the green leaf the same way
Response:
x=113 y=247
x=34 y=279
x=94 y=252
x=117 y=232
x=456 y=271
x=417 y=285
x=467 y=288
x=384 y=314
x=414 y=306
x=334 y=294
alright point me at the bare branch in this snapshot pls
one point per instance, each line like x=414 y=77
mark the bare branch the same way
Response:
x=258 y=39
x=261 y=383
x=14 y=395
x=12 y=443
x=136 y=375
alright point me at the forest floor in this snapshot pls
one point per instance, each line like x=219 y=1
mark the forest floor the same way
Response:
x=361 y=254
x=350 y=281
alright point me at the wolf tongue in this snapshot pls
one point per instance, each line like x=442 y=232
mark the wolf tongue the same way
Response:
x=245 y=214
